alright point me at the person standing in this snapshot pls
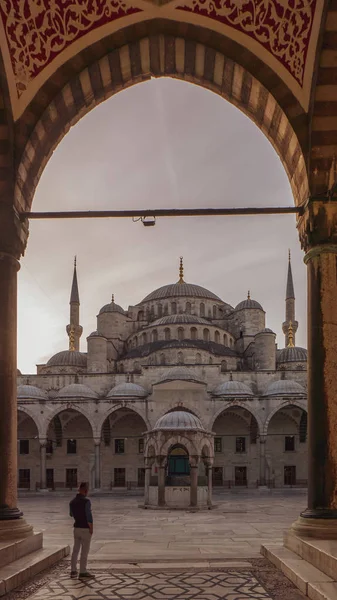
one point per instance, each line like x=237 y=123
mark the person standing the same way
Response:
x=80 y=510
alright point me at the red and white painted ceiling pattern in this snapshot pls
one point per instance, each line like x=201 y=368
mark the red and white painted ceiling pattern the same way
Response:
x=282 y=27
x=38 y=30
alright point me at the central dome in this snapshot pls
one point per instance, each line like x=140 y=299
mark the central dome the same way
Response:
x=180 y=289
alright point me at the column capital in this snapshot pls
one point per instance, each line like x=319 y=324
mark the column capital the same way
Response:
x=317 y=226
x=13 y=232
x=97 y=441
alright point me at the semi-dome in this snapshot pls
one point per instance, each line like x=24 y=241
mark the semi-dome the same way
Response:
x=179 y=420
x=76 y=390
x=180 y=289
x=112 y=307
x=127 y=388
x=180 y=319
x=233 y=388
x=248 y=303
x=68 y=358
x=292 y=354
x=30 y=392
x=180 y=374
x=284 y=387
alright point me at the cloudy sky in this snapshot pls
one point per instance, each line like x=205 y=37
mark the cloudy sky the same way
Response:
x=163 y=143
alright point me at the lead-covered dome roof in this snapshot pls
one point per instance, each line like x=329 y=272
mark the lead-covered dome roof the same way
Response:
x=30 y=392
x=180 y=289
x=247 y=304
x=284 y=387
x=232 y=388
x=291 y=354
x=179 y=420
x=180 y=374
x=112 y=307
x=68 y=358
x=180 y=319
x=76 y=390
x=127 y=388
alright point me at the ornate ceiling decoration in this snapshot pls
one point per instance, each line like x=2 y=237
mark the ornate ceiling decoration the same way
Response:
x=282 y=27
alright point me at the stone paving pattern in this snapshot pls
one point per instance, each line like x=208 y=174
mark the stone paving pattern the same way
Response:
x=236 y=528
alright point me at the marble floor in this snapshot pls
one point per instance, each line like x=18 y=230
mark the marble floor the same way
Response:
x=123 y=532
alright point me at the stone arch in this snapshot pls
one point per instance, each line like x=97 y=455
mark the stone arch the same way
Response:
x=161 y=56
x=237 y=404
x=29 y=413
x=286 y=404
x=60 y=409
x=112 y=409
x=181 y=440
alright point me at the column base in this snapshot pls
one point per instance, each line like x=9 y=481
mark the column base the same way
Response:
x=316 y=524
x=15 y=529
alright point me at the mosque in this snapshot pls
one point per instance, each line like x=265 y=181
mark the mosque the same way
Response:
x=180 y=391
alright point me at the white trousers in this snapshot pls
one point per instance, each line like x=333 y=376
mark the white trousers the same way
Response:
x=82 y=539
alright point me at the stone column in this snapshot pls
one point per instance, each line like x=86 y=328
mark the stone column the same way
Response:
x=194 y=484
x=97 y=464
x=318 y=231
x=43 y=463
x=210 y=485
x=161 y=483
x=11 y=523
x=263 y=440
x=147 y=485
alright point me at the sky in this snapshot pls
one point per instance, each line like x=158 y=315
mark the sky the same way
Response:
x=160 y=144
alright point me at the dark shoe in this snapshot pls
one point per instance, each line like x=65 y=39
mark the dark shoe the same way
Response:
x=73 y=574
x=86 y=575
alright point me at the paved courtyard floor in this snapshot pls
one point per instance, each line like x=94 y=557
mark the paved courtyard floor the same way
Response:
x=140 y=554
x=236 y=528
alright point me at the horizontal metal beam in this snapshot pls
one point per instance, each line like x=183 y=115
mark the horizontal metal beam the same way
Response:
x=163 y=212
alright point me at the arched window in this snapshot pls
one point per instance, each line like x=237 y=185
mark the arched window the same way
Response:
x=210 y=360
x=141 y=315
x=198 y=359
x=188 y=308
x=160 y=310
x=180 y=334
x=202 y=309
x=162 y=359
x=154 y=335
x=225 y=340
x=144 y=338
x=194 y=333
x=217 y=337
x=180 y=358
x=206 y=335
x=165 y=309
x=223 y=366
x=303 y=427
x=214 y=311
x=167 y=334
x=121 y=368
x=173 y=308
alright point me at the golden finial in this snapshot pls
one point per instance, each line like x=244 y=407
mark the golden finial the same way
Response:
x=112 y=297
x=181 y=270
x=248 y=295
x=72 y=339
x=231 y=376
x=290 y=335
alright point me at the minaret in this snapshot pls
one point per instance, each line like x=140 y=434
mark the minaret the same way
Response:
x=290 y=325
x=74 y=329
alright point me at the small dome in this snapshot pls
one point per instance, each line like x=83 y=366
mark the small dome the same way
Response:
x=112 y=307
x=68 y=358
x=179 y=420
x=174 y=290
x=76 y=390
x=183 y=318
x=30 y=392
x=248 y=303
x=179 y=374
x=266 y=330
x=233 y=388
x=284 y=387
x=127 y=389
x=292 y=354
x=94 y=334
